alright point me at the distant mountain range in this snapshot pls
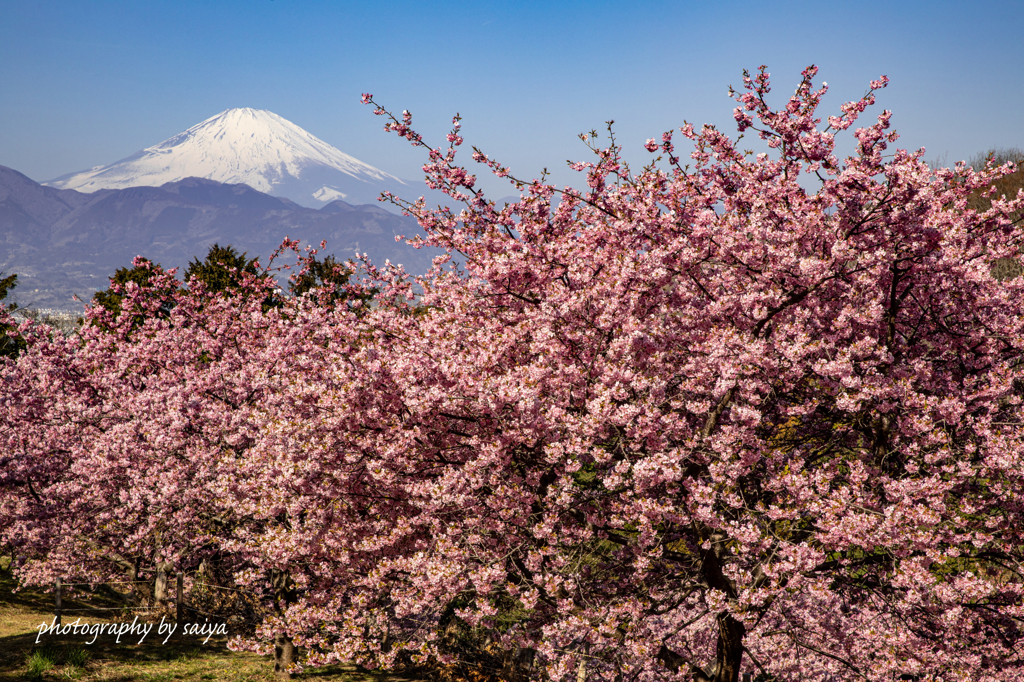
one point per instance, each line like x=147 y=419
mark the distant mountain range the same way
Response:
x=62 y=242
x=254 y=147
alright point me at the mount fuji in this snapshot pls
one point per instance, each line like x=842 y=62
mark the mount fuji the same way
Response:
x=246 y=146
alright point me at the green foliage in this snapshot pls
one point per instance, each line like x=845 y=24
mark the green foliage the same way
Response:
x=6 y=284
x=111 y=299
x=331 y=279
x=222 y=270
x=39 y=663
x=10 y=346
x=45 y=658
x=318 y=274
x=141 y=275
x=76 y=656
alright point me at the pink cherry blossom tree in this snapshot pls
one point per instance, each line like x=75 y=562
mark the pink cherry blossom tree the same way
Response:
x=739 y=413
x=704 y=420
x=125 y=446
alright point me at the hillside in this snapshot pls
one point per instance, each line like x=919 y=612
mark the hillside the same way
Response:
x=63 y=242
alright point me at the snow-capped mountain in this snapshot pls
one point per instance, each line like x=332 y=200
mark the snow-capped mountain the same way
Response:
x=250 y=146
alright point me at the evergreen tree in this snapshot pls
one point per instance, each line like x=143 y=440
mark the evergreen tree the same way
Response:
x=10 y=346
x=142 y=274
x=330 y=280
x=222 y=269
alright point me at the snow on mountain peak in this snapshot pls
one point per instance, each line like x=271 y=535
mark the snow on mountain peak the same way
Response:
x=251 y=146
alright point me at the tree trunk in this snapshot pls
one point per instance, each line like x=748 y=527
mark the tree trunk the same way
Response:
x=284 y=656
x=163 y=571
x=516 y=664
x=729 y=653
x=285 y=651
x=139 y=591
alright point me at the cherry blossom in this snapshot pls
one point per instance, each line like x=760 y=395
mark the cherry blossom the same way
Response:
x=760 y=413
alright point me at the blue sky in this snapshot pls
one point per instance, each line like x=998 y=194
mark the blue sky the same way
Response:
x=88 y=83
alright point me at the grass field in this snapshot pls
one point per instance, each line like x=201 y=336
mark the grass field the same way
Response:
x=71 y=658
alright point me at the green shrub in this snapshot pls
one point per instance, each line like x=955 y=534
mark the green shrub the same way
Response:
x=39 y=663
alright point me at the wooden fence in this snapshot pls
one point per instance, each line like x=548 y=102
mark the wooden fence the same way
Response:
x=160 y=596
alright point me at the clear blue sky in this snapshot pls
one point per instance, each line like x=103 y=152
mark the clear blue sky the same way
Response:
x=87 y=83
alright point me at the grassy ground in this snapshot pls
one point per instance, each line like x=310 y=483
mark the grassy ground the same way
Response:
x=71 y=658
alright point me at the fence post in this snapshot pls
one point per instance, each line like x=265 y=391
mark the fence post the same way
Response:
x=57 y=604
x=163 y=570
x=179 y=598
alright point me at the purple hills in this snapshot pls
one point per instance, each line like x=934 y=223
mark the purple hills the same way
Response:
x=61 y=242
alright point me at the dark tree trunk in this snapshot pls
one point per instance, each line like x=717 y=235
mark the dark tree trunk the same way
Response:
x=139 y=592
x=728 y=654
x=285 y=652
x=730 y=648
